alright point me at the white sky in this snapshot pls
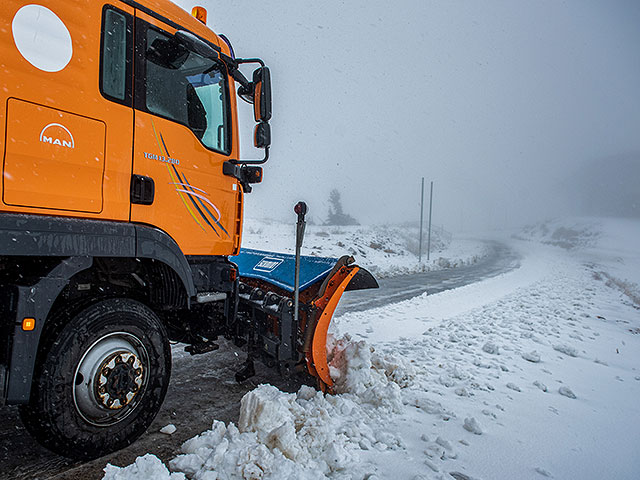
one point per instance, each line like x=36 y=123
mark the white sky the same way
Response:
x=497 y=102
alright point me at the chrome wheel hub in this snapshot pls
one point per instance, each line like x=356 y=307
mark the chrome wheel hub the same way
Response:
x=119 y=379
x=111 y=378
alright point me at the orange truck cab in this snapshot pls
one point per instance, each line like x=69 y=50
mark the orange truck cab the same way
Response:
x=120 y=215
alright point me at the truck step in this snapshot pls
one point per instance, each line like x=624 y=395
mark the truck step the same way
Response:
x=201 y=347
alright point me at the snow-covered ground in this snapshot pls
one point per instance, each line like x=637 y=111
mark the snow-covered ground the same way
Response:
x=385 y=251
x=531 y=374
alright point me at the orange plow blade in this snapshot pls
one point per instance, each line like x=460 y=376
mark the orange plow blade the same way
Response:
x=319 y=345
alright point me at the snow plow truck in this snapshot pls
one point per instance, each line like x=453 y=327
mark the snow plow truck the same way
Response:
x=121 y=218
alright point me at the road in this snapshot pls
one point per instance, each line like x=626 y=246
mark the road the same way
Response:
x=203 y=388
x=499 y=259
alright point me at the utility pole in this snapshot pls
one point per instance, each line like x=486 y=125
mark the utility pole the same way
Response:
x=421 y=216
x=430 y=205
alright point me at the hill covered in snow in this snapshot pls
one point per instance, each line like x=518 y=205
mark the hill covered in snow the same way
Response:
x=384 y=250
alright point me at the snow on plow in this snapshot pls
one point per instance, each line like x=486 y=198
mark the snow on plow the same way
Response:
x=277 y=335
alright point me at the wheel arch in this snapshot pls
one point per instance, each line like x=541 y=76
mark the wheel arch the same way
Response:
x=74 y=249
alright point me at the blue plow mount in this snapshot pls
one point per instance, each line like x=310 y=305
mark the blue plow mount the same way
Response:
x=279 y=268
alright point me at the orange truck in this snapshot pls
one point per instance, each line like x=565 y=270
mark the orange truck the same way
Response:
x=121 y=211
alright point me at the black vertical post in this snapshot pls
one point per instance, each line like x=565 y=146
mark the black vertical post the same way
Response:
x=301 y=210
x=421 y=216
x=430 y=205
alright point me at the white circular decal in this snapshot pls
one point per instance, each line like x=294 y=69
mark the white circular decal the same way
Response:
x=41 y=37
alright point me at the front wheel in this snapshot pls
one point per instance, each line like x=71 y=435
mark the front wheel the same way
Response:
x=101 y=381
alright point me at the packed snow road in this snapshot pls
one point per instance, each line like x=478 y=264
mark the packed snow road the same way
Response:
x=203 y=387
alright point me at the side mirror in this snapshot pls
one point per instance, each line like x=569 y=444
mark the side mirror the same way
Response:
x=262 y=94
x=262 y=135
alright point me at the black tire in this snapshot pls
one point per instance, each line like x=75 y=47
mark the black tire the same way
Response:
x=101 y=381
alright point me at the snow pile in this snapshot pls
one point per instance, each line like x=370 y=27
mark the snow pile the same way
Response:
x=148 y=467
x=383 y=250
x=303 y=435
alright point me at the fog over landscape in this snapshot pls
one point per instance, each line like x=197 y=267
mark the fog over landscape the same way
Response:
x=166 y=337
x=513 y=109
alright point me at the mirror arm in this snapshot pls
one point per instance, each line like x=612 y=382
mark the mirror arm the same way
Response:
x=250 y=60
x=254 y=162
x=235 y=73
x=239 y=77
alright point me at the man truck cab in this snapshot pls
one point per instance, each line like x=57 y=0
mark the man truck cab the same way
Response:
x=121 y=200
x=121 y=219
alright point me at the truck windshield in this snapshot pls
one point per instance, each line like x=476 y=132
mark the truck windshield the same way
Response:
x=187 y=88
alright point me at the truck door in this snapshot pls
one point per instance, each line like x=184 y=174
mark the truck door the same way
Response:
x=66 y=108
x=183 y=135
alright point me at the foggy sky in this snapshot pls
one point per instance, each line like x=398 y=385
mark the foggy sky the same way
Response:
x=498 y=102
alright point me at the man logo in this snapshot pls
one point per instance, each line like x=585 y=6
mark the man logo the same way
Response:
x=57 y=134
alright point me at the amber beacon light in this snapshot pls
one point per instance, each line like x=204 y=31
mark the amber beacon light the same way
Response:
x=200 y=13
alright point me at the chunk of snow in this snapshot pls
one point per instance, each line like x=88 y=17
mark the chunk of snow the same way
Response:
x=540 y=385
x=566 y=349
x=566 y=391
x=148 y=467
x=543 y=472
x=168 y=429
x=533 y=357
x=491 y=348
x=472 y=425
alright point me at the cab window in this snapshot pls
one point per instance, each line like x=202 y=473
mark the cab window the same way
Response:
x=187 y=88
x=116 y=55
